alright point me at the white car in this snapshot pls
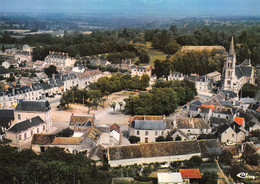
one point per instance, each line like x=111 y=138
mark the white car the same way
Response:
x=230 y=143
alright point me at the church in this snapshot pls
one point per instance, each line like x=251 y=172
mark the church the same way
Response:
x=235 y=76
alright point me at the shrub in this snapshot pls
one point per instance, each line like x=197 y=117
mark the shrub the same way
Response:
x=134 y=139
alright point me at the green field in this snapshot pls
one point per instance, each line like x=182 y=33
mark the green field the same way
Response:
x=153 y=53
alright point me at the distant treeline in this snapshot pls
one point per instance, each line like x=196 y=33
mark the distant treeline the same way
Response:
x=125 y=43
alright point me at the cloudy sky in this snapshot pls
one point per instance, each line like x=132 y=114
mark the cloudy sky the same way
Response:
x=137 y=7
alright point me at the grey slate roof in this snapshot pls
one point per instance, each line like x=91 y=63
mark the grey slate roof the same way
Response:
x=6 y=116
x=3 y=70
x=243 y=71
x=25 y=125
x=148 y=125
x=216 y=121
x=37 y=105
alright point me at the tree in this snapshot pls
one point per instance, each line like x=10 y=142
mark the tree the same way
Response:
x=51 y=70
x=134 y=139
x=159 y=139
x=168 y=138
x=194 y=161
x=178 y=138
x=249 y=90
x=120 y=104
x=209 y=178
x=147 y=170
x=226 y=157
x=206 y=136
x=144 y=57
x=144 y=81
x=67 y=132
x=113 y=106
x=254 y=159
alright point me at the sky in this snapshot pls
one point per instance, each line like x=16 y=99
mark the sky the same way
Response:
x=137 y=7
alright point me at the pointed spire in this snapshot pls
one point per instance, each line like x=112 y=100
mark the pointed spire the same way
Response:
x=232 y=48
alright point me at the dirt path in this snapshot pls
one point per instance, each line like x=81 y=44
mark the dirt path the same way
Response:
x=103 y=115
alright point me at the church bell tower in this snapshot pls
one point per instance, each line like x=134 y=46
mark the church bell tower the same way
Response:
x=229 y=69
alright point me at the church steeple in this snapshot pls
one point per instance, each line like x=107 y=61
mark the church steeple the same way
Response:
x=232 y=48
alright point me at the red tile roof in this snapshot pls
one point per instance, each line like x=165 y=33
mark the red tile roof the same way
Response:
x=190 y=173
x=115 y=127
x=239 y=120
x=208 y=106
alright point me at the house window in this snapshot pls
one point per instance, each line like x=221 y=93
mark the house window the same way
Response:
x=37 y=130
x=219 y=116
x=42 y=149
x=162 y=133
x=146 y=132
x=233 y=135
x=227 y=117
x=24 y=135
x=137 y=133
x=19 y=116
x=188 y=130
x=156 y=133
x=43 y=128
x=20 y=137
x=31 y=132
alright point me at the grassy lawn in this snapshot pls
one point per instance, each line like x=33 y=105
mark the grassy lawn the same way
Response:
x=153 y=53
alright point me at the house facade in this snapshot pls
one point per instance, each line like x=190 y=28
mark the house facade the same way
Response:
x=148 y=128
x=60 y=59
x=28 y=109
x=23 y=131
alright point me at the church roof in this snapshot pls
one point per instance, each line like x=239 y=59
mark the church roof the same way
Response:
x=243 y=71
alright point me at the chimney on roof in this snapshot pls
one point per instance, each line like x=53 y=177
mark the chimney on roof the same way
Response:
x=59 y=53
x=49 y=52
x=63 y=53
x=67 y=54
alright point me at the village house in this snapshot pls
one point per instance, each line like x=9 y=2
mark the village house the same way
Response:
x=214 y=76
x=23 y=131
x=176 y=76
x=39 y=65
x=98 y=154
x=175 y=132
x=169 y=177
x=148 y=128
x=23 y=56
x=231 y=133
x=80 y=123
x=224 y=112
x=140 y=70
x=27 y=109
x=190 y=175
x=11 y=97
x=60 y=59
x=41 y=142
x=161 y=152
x=202 y=83
x=10 y=62
x=78 y=69
x=192 y=127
